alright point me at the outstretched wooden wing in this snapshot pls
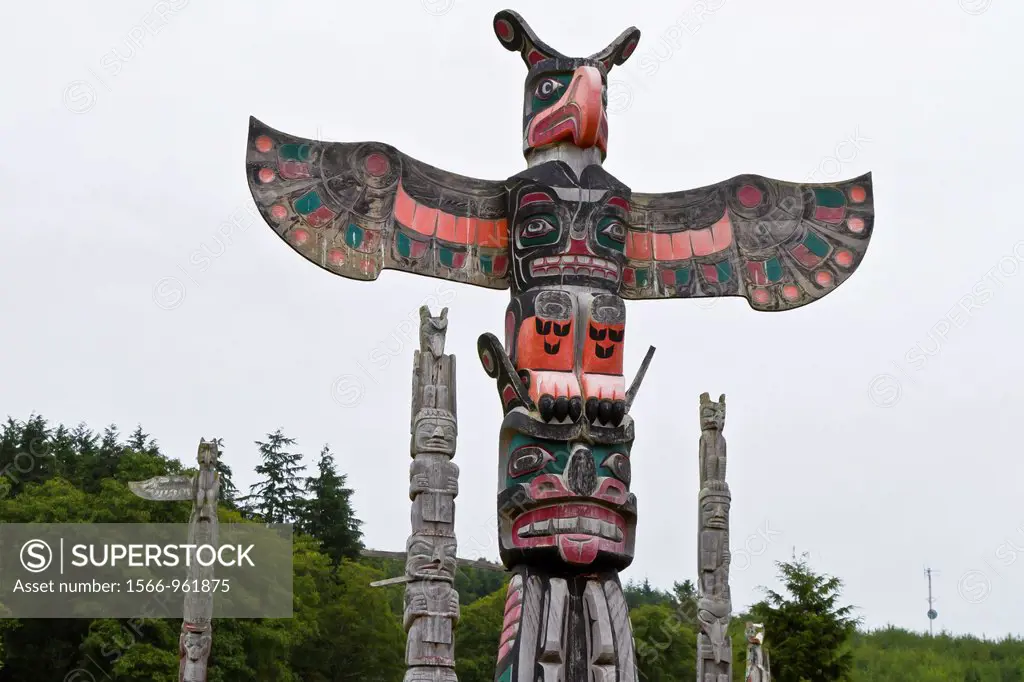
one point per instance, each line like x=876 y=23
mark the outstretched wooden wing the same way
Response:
x=356 y=209
x=779 y=245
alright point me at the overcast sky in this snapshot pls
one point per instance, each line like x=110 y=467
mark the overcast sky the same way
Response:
x=877 y=429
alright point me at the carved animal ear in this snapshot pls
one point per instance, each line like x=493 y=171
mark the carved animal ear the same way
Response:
x=619 y=50
x=444 y=313
x=517 y=36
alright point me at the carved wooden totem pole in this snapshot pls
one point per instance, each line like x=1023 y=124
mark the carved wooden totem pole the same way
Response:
x=203 y=489
x=714 y=605
x=571 y=242
x=758 y=669
x=431 y=602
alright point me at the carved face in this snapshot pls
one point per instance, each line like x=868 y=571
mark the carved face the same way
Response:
x=566 y=102
x=755 y=633
x=714 y=511
x=207 y=454
x=431 y=557
x=565 y=502
x=567 y=231
x=712 y=414
x=434 y=431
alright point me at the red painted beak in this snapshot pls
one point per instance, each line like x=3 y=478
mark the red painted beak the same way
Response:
x=579 y=115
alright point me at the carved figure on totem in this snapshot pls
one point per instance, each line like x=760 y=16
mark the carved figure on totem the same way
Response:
x=431 y=602
x=757 y=663
x=203 y=489
x=714 y=603
x=571 y=242
x=193 y=652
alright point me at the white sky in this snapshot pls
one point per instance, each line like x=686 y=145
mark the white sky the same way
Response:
x=120 y=170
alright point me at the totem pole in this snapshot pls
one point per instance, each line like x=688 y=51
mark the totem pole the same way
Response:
x=196 y=636
x=714 y=604
x=758 y=669
x=571 y=242
x=431 y=602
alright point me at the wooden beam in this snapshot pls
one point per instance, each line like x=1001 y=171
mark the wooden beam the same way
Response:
x=482 y=564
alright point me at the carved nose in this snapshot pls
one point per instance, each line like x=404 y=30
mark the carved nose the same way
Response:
x=582 y=474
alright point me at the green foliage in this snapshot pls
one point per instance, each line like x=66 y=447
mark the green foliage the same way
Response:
x=277 y=496
x=809 y=632
x=342 y=629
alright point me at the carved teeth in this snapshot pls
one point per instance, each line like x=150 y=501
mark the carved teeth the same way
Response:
x=576 y=524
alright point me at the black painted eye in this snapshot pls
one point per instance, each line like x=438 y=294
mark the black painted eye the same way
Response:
x=619 y=464
x=527 y=459
x=616 y=231
x=547 y=88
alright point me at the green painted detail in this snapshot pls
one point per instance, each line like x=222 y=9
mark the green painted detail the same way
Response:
x=354 y=236
x=724 y=271
x=538 y=103
x=487 y=264
x=507 y=675
x=683 y=276
x=447 y=257
x=608 y=240
x=829 y=197
x=559 y=450
x=308 y=203
x=816 y=245
x=295 y=152
x=642 y=277
x=773 y=270
x=403 y=244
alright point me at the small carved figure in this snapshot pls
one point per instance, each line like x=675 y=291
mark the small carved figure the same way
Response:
x=194 y=650
x=432 y=332
x=434 y=431
x=757 y=666
x=712 y=443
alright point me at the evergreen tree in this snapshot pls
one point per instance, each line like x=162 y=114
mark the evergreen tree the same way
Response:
x=328 y=514
x=277 y=498
x=228 y=491
x=810 y=634
x=141 y=442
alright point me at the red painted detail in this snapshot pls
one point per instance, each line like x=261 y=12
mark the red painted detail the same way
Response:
x=505 y=649
x=367 y=266
x=504 y=30
x=488 y=362
x=804 y=255
x=579 y=549
x=534 y=198
x=533 y=57
x=620 y=202
x=507 y=395
x=336 y=257
x=578 y=247
x=266 y=175
x=405 y=207
x=856 y=225
x=510 y=329
x=760 y=296
x=458 y=260
x=264 y=144
x=791 y=292
x=628 y=50
x=294 y=170
x=844 y=258
x=749 y=196
x=858 y=194
x=320 y=217
x=576 y=116
x=300 y=236
x=638 y=245
x=602 y=132
x=668 y=277
x=710 y=273
x=499 y=266
x=279 y=212
x=756 y=272
x=629 y=276
x=830 y=215
x=612 y=490
x=823 y=278
x=376 y=164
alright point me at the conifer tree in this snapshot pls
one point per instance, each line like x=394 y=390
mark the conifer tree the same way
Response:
x=328 y=514
x=277 y=497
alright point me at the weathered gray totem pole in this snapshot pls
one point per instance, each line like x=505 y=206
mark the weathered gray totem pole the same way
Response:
x=431 y=602
x=203 y=489
x=714 y=648
x=758 y=669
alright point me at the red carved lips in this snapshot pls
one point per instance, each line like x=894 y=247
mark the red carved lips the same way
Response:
x=579 y=115
x=578 y=530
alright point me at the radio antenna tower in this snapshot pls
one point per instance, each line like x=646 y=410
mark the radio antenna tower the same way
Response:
x=932 y=613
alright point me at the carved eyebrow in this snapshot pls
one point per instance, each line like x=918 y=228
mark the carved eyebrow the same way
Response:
x=534 y=198
x=620 y=203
